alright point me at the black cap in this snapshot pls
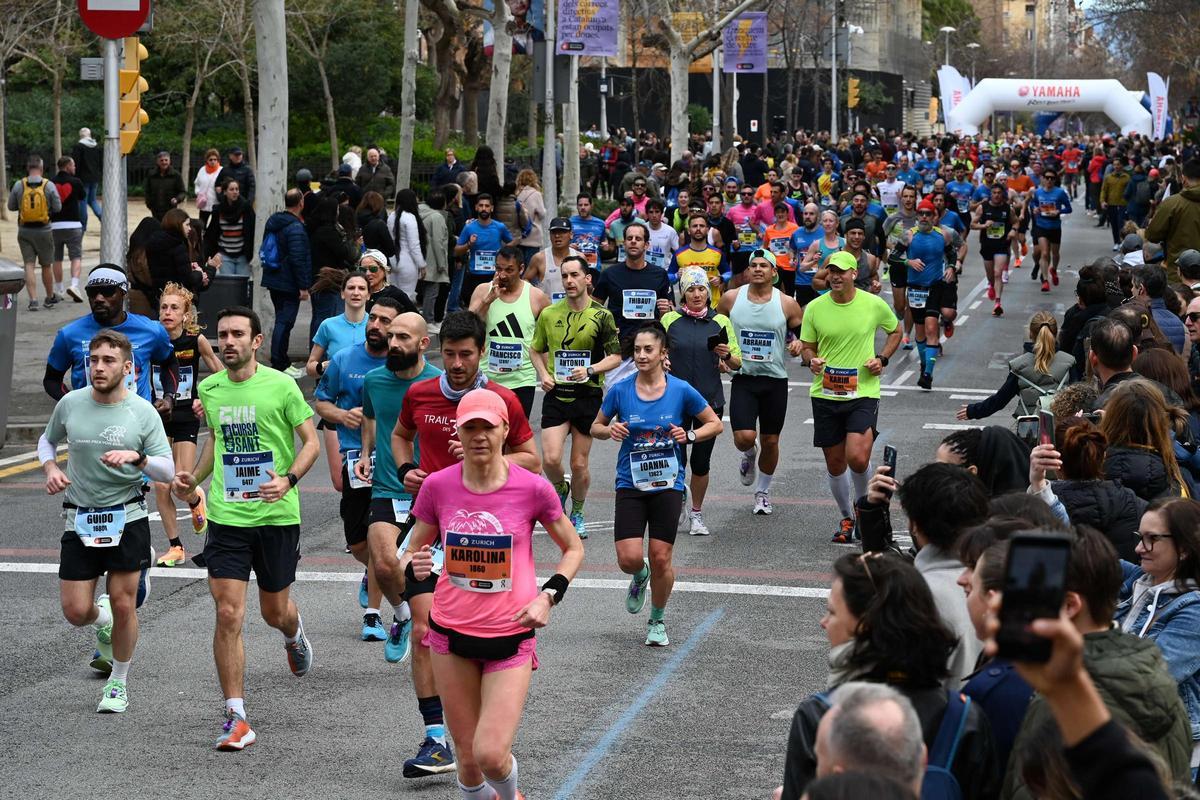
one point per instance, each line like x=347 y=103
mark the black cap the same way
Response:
x=854 y=223
x=1188 y=258
x=235 y=149
x=345 y=169
x=560 y=224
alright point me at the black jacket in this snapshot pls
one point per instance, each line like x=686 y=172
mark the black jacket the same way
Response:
x=240 y=173
x=1068 y=335
x=1143 y=471
x=691 y=358
x=70 y=191
x=375 y=233
x=1107 y=506
x=1107 y=766
x=330 y=249
x=89 y=162
x=168 y=259
x=161 y=188
x=976 y=766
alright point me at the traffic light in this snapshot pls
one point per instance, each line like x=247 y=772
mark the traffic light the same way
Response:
x=851 y=92
x=132 y=84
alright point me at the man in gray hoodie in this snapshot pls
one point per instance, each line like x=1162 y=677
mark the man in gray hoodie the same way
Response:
x=35 y=198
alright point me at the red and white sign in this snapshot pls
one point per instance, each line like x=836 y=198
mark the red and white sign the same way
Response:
x=114 y=19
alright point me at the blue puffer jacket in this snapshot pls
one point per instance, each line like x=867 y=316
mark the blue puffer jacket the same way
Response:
x=296 y=271
x=1170 y=616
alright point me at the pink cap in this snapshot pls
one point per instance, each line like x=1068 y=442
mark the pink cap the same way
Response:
x=482 y=404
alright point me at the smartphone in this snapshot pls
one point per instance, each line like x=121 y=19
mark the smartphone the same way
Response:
x=889 y=460
x=1035 y=579
x=718 y=338
x=1027 y=429
x=1046 y=436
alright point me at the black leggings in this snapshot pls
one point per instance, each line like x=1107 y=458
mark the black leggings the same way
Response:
x=701 y=452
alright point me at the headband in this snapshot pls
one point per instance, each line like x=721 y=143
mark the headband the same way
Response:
x=108 y=276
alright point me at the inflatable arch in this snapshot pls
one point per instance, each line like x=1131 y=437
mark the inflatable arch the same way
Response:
x=1014 y=94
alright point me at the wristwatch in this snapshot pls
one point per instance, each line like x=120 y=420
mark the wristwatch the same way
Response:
x=882 y=359
x=141 y=462
x=691 y=437
x=293 y=479
x=591 y=371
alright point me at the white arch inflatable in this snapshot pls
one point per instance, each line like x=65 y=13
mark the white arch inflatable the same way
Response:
x=1013 y=94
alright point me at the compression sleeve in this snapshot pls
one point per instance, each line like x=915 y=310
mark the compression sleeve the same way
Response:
x=52 y=382
x=158 y=468
x=46 y=450
x=170 y=373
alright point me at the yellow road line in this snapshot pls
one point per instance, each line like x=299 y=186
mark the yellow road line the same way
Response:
x=28 y=466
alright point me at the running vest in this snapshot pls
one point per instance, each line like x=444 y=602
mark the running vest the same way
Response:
x=510 y=331
x=995 y=235
x=1035 y=385
x=552 y=274
x=862 y=277
x=761 y=329
x=827 y=251
x=187 y=353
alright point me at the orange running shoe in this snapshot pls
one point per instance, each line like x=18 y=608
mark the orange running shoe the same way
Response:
x=172 y=558
x=237 y=734
x=1024 y=248
x=199 y=512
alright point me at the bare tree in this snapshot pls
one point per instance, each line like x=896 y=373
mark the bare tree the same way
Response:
x=408 y=95
x=680 y=54
x=497 y=120
x=448 y=61
x=52 y=49
x=238 y=46
x=312 y=23
x=271 y=42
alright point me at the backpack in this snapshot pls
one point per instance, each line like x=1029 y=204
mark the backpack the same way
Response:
x=522 y=219
x=1143 y=192
x=35 y=209
x=939 y=782
x=1045 y=396
x=270 y=252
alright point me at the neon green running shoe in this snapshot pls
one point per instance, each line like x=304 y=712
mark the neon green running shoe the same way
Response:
x=656 y=634
x=115 y=699
x=635 y=601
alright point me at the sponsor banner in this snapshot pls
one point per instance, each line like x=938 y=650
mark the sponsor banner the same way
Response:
x=588 y=27
x=745 y=43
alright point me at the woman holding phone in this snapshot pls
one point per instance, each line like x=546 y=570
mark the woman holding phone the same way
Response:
x=703 y=346
x=474 y=526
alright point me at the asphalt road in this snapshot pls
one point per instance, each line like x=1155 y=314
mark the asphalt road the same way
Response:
x=606 y=717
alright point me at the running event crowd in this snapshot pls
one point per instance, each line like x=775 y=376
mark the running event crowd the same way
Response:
x=831 y=255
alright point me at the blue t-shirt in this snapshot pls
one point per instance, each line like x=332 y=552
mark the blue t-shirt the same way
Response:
x=952 y=220
x=983 y=192
x=342 y=385
x=1050 y=198
x=931 y=249
x=338 y=333
x=962 y=192
x=150 y=340
x=489 y=239
x=928 y=167
x=910 y=177
x=802 y=239
x=649 y=455
x=587 y=236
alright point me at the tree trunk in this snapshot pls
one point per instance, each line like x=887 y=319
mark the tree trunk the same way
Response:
x=189 y=121
x=470 y=113
x=330 y=116
x=531 y=129
x=764 y=124
x=57 y=92
x=4 y=139
x=571 y=136
x=728 y=123
x=679 y=61
x=248 y=107
x=408 y=95
x=497 y=117
x=270 y=36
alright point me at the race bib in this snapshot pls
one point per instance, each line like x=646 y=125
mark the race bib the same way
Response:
x=840 y=382
x=556 y=296
x=439 y=555
x=656 y=258
x=995 y=231
x=100 y=527
x=479 y=562
x=186 y=381
x=243 y=472
x=964 y=205
x=401 y=506
x=505 y=356
x=1047 y=208
x=779 y=246
x=485 y=261
x=917 y=297
x=620 y=252
x=747 y=237
x=352 y=457
x=889 y=210
x=757 y=345
x=567 y=360
x=638 y=303
x=654 y=470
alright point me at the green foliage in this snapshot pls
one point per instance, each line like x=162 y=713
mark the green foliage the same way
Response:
x=872 y=97
x=699 y=119
x=936 y=14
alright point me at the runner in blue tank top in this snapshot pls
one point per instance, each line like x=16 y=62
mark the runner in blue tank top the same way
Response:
x=928 y=277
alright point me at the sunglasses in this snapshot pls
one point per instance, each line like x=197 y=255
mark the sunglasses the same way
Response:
x=373 y=268
x=1193 y=316
x=924 y=213
x=104 y=291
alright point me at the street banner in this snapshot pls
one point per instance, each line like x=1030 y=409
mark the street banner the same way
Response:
x=745 y=42
x=588 y=27
x=1158 y=102
x=952 y=88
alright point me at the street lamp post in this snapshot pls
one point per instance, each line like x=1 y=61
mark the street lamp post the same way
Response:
x=974 y=48
x=947 y=29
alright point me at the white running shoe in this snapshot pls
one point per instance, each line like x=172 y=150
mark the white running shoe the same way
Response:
x=684 y=517
x=762 y=503
x=749 y=469
x=698 y=528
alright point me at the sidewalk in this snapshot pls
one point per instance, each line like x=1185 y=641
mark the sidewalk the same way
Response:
x=29 y=405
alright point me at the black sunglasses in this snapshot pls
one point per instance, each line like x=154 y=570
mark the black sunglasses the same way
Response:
x=1193 y=316
x=106 y=290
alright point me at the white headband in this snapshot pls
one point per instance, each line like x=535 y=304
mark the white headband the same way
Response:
x=107 y=276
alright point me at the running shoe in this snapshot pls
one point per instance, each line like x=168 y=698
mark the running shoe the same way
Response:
x=577 y=520
x=295 y=372
x=1033 y=273
x=53 y=300
x=683 y=508
x=1045 y=286
x=656 y=634
x=1024 y=248
x=398 y=644
x=199 y=512
x=925 y=381
x=74 y=293
x=1017 y=262
x=635 y=600
x=1004 y=275
x=433 y=758
x=115 y=698
x=363 y=600
x=748 y=469
x=143 y=590
x=172 y=558
x=762 y=504
x=991 y=293
x=1116 y=247
x=697 y=526
x=1054 y=275
x=908 y=345
x=300 y=655
x=845 y=532
x=236 y=732
x=434 y=328
x=948 y=328
x=563 y=490
x=104 y=637
x=33 y=304
x=101 y=664
x=998 y=311
x=373 y=630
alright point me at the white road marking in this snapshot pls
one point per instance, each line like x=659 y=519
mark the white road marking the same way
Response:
x=961 y=320
x=896 y=385
x=903 y=377
x=814 y=592
x=964 y=397
x=808 y=421
x=22 y=457
x=974 y=305
x=948 y=426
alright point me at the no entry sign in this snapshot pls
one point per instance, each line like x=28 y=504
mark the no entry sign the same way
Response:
x=114 y=19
